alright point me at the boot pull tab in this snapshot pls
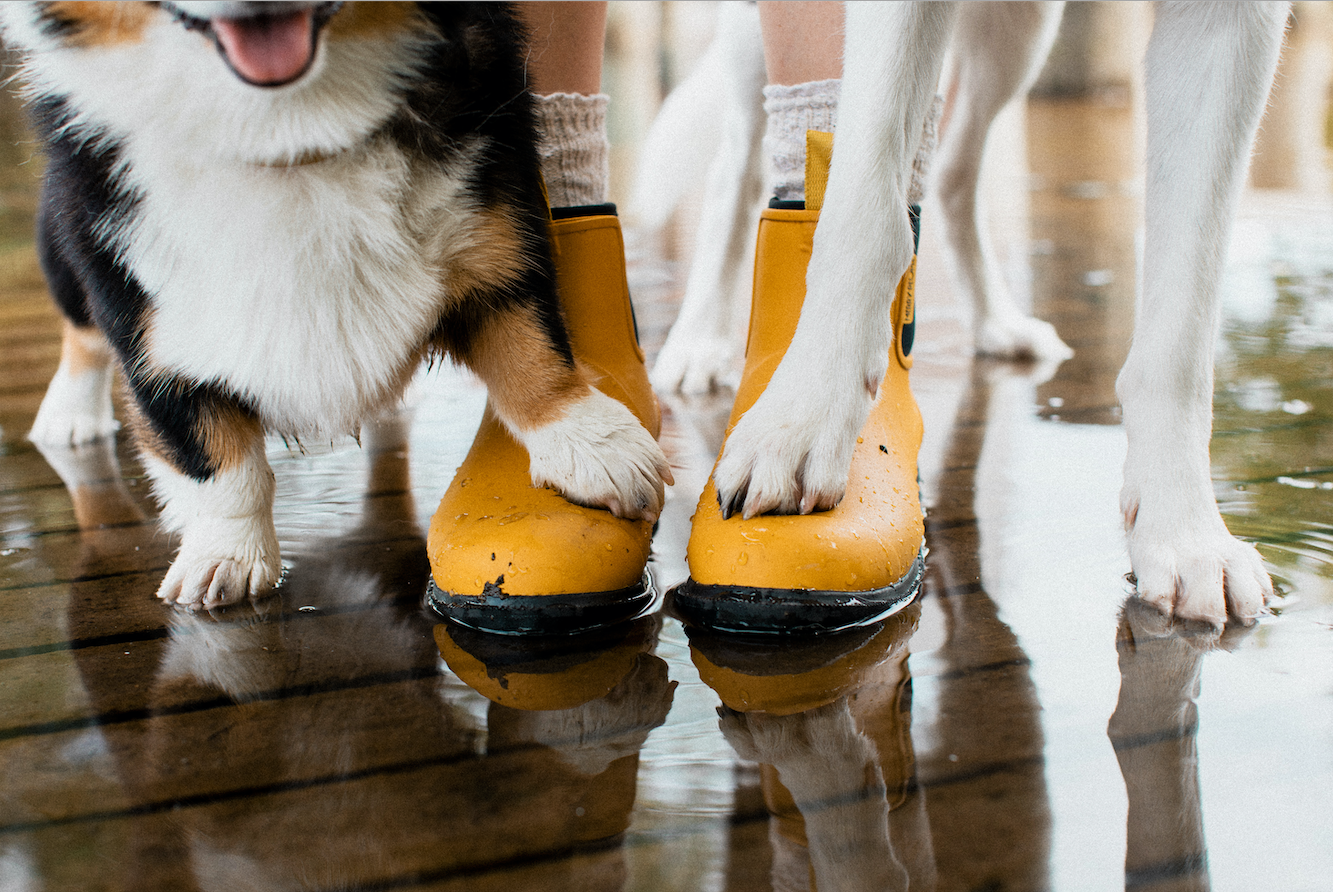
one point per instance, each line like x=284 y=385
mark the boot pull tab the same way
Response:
x=818 y=155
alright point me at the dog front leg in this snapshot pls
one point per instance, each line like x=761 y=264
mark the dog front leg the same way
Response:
x=77 y=408
x=206 y=459
x=1209 y=67
x=581 y=442
x=792 y=450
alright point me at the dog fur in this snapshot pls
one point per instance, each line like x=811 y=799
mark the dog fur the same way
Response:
x=265 y=241
x=1208 y=71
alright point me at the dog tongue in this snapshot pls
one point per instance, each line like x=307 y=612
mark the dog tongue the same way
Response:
x=268 y=50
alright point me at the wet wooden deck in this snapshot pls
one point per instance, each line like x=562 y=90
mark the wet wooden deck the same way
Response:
x=338 y=737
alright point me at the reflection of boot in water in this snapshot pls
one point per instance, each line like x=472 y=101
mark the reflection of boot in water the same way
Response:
x=1154 y=732
x=835 y=753
x=572 y=714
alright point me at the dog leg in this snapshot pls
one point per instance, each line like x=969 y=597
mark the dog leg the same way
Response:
x=999 y=49
x=580 y=441
x=77 y=407
x=222 y=506
x=792 y=451
x=597 y=453
x=1209 y=67
x=701 y=349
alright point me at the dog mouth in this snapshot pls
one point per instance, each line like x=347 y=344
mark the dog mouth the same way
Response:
x=264 y=44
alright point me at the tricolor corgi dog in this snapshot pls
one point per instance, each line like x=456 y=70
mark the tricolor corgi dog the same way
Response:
x=268 y=215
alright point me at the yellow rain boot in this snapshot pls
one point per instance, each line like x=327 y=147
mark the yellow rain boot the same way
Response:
x=835 y=569
x=510 y=558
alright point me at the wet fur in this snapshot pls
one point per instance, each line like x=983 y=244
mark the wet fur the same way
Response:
x=283 y=258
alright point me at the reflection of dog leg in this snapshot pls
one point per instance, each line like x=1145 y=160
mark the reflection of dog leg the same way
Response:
x=999 y=50
x=91 y=474
x=701 y=349
x=1154 y=730
x=832 y=772
x=592 y=735
x=1210 y=65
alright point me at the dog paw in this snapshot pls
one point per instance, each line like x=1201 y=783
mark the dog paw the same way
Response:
x=75 y=411
x=695 y=365
x=598 y=454
x=1020 y=337
x=1196 y=571
x=206 y=574
x=789 y=458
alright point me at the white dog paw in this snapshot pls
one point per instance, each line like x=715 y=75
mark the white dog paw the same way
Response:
x=789 y=458
x=695 y=365
x=1020 y=337
x=207 y=574
x=75 y=411
x=1197 y=572
x=598 y=454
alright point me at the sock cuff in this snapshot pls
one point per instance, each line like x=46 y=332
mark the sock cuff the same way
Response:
x=572 y=111
x=792 y=110
x=575 y=153
x=925 y=153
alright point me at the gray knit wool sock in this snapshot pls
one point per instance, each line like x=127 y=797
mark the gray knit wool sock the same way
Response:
x=792 y=110
x=930 y=140
x=575 y=153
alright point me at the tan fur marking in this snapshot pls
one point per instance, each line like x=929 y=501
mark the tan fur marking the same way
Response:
x=527 y=381
x=104 y=24
x=229 y=436
x=84 y=349
x=146 y=440
x=371 y=19
x=490 y=255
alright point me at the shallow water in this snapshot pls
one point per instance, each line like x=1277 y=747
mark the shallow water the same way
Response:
x=1025 y=726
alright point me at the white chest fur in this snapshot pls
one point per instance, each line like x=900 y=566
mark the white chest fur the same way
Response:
x=307 y=290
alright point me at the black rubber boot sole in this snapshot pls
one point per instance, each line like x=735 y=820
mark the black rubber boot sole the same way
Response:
x=777 y=611
x=503 y=614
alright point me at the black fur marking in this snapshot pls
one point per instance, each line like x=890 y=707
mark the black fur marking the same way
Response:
x=80 y=199
x=474 y=87
x=52 y=24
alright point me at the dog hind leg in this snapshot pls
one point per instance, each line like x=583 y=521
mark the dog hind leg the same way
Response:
x=999 y=49
x=792 y=450
x=701 y=348
x=77 y=407
x=1209 y=67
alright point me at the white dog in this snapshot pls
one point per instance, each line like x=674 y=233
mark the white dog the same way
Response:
x=1208 y=71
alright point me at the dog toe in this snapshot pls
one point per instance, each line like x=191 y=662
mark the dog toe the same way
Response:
x=1204 y=580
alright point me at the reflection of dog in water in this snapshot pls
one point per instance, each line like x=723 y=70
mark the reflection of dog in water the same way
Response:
x=828 y=721
x=325 y=707
x=267 y=216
